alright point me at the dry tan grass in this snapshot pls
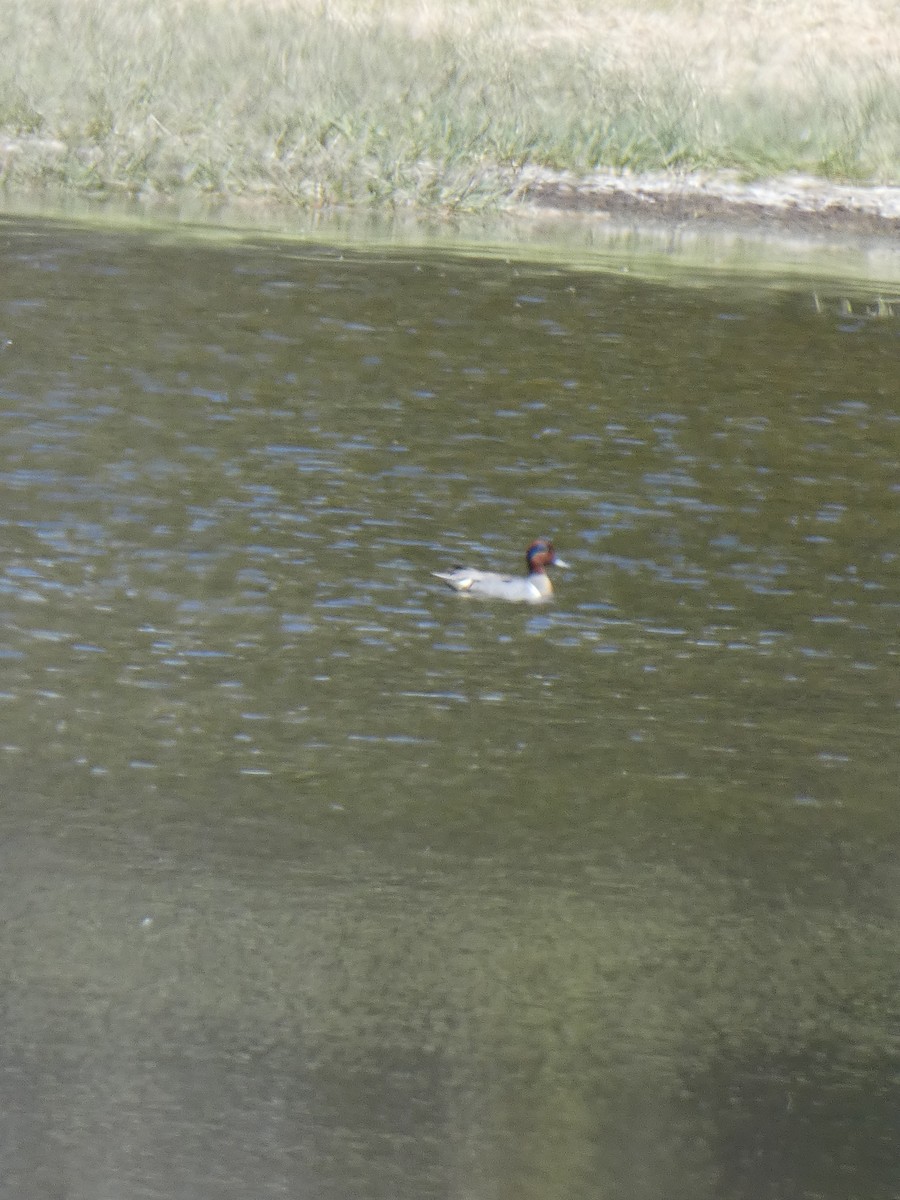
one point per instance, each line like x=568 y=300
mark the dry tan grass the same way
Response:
x=725 y=47
x=724 y=40
x=440 y=103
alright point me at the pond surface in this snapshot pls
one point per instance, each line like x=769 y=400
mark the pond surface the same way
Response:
x=320 y=880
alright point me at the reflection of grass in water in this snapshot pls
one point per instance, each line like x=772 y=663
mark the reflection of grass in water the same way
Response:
x=660 y=963
x=434 y=104
x=548 y=1006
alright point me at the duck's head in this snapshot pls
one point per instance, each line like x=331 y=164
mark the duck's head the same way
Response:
x=540 y=554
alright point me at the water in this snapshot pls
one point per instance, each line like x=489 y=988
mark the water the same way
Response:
x=319 y=880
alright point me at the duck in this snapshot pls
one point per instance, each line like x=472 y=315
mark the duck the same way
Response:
x=534 y=588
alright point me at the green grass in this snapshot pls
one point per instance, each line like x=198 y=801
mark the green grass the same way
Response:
x=320 y=104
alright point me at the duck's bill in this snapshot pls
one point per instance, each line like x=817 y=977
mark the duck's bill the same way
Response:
x=561 y=562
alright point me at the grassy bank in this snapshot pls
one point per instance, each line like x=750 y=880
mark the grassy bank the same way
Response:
x=437 y=103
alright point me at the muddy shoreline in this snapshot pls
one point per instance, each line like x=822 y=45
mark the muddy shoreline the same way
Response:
x=803 y=205
x=783 y=227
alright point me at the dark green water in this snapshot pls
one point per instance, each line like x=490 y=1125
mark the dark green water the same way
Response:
x=320 y=881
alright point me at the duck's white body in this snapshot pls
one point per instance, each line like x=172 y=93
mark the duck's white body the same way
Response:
x=534 y=588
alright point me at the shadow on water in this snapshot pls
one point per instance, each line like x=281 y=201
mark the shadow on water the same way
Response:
x=319 y=879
